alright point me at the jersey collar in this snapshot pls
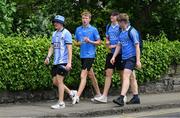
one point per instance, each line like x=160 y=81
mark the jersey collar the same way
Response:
x=87 y=26
x=127 y=28
x=114 y=25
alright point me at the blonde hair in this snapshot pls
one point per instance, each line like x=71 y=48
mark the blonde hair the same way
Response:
x=123 y=16
x=86 y=13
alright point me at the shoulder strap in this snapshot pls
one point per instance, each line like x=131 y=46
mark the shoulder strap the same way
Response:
x=108 y=26
x=129 y=33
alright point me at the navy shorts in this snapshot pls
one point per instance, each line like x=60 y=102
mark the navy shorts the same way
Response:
x=117 y=65
x=87 y=63
x=129 y=63
x=59 y=69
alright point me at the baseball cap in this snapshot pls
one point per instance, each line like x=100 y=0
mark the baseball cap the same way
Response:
x=60 y=19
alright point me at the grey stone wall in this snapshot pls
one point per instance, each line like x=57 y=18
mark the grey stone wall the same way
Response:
x=168 y=83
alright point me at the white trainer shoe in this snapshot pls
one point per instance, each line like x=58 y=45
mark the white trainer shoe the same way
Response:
x=96 y=96
x=75 y=99
x=125 y=99
x=102 y=99
x=59 y=105
x=73 y=94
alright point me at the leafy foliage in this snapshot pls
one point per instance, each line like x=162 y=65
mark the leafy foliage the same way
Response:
x=22 y=62
x=6 y=16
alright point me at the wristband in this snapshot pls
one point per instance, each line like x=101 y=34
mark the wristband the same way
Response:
x=91 y=42
x=48 y=57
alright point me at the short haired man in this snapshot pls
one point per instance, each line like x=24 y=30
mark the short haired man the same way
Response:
x=88 y=38
x=130 y=57
x=61 y=46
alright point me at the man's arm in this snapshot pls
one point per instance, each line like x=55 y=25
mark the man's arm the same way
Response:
x=138 y=62
x=98 y=42
x=69 y=47
x=50 y=52
x=117 y=50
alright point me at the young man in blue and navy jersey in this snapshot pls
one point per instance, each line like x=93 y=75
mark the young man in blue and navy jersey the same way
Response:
x=61 y=46
x=130 y=57
x=87 y=37
x=112 y=33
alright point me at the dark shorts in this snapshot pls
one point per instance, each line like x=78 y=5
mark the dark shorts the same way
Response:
x=129 y=63
x=87 y=63
x=117 y=65
x=59 y=70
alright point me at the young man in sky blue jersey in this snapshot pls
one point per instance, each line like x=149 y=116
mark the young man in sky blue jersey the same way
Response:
x=130 y=57
x=87 y=37
x=61 y=46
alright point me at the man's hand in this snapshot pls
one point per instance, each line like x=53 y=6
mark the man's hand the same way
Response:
x=87 y=40
x=138 y=64
x=112 y=60
x=46 y=61
x=68 y=67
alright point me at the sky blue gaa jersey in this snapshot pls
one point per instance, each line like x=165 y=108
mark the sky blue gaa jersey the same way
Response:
x=128 y=45
x=60 y=39
x=87 y=50
x=112 y=32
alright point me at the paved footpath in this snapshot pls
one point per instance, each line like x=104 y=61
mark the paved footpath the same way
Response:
x=88 y=109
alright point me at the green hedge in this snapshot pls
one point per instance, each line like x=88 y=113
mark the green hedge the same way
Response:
x=22 y=63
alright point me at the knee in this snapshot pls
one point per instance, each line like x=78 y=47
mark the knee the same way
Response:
x=90 y=75
x=133 y=77
x=108 y=73
x=83 y=75
x=60 y=82
x=54 y=82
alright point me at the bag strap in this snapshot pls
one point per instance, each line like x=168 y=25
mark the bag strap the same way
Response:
x=129 y=33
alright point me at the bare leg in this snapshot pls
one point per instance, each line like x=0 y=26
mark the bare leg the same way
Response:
x=60 y=87
x=107 y=85
x=91 y=75
x=133 y=83
x=83 y=82
x=55 y=82
x=125 y=84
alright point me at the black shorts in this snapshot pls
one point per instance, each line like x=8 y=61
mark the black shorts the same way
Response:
x=129 y=63
x=59 y=70
x=117 y=65
x=87 y=63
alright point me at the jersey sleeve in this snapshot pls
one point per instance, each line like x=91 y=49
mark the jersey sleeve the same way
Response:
x=135 y=36
x=68 y=38
x=76 y=35
x=96 y=34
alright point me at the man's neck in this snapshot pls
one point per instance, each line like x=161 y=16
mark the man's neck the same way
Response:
x=114 y=23
x=85 y=25
x=125 y=27
x=60 y=29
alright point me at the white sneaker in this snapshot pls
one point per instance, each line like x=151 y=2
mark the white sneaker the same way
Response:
x=96 y=96
x=75 y=99
x=125 y=99
x=73 y=94
x=102 y=99
x=59 y=105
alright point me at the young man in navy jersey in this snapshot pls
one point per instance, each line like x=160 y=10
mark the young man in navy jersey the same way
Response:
x=130 y=58
x=87 y=37
x=61 y=47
